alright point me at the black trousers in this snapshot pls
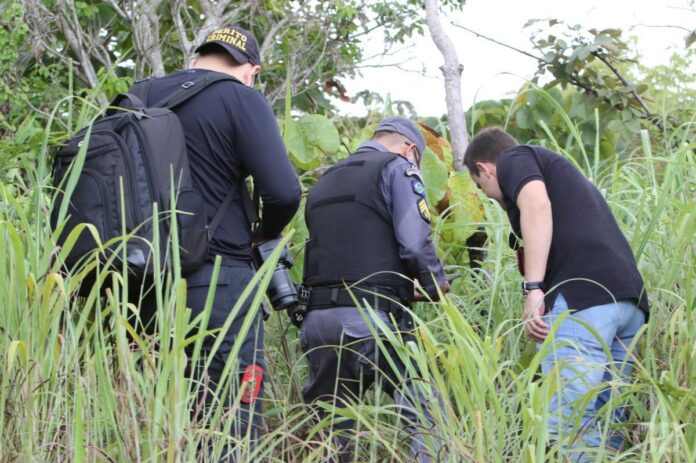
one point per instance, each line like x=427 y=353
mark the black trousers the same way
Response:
x=247 y=357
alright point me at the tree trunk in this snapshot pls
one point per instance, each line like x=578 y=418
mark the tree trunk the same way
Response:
x=452 y=71
x=145 y=21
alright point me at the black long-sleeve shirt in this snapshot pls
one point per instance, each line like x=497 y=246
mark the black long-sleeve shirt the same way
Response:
x=231 y=133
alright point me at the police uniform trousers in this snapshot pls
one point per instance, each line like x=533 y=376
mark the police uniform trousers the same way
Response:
x=345 y=360
x=234 y=276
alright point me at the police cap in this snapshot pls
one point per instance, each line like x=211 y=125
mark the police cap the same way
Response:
x=239 y=43
x=405 y=127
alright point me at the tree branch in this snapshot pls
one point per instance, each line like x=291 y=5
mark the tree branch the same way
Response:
x=271 y=35
x=603 y=59
x=452 y=71
x=74 y=34
x=146 y=37
x=502 y=44
x=187 y=46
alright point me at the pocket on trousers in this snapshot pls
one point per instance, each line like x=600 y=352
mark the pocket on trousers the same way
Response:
x=559 y=307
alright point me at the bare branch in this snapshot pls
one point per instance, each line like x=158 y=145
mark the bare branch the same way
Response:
x=502 y=44
x=74 y=34
x=452 y=71
x=119 y=11
x=146 y=38
x=663 y=26
x=272 y=34
x=232 y=15
x=177 y=7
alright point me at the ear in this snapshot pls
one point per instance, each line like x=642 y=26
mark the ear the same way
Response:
x=410 y=153
x=250 y=73
x=484 y=168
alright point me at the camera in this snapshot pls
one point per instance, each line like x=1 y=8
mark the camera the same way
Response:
x=281 y=290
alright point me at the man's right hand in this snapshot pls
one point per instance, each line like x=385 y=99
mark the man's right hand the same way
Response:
x=445 y=287
x=418 y=291
x=534 y=309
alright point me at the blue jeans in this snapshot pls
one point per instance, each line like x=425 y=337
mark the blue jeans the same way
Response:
x=579 y=360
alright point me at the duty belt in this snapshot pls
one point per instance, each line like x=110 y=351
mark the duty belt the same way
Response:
x=377 y=298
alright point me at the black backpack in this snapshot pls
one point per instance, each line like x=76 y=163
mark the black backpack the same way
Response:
x=132 y=158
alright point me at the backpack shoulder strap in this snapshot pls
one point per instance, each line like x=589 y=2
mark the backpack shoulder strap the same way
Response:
x=251 y=208
x=141 y=89
x=125 y=100
x=191 y=88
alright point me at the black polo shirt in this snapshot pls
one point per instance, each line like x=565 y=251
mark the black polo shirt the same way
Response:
x=231 y=133
x=590 y=260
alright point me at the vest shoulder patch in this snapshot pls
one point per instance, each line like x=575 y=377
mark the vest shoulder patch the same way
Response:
x=418 y=187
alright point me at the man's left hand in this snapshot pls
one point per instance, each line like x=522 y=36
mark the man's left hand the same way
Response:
x=534 y=325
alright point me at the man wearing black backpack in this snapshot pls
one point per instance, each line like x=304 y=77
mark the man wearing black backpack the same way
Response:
x=231 y=133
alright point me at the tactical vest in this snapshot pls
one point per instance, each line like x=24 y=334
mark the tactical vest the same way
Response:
x=351 y=234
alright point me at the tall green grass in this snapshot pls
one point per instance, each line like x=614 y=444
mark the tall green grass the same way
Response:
x=79 y=383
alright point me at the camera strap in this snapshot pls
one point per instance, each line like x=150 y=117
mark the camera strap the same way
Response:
x=251 y=206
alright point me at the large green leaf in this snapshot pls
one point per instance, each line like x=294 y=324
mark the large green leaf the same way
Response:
x=465 y=205
x=320 y=133
x=310 y=138
x=435 y=173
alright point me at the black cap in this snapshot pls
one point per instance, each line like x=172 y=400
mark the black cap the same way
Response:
x=404 y=127
x=239 y=43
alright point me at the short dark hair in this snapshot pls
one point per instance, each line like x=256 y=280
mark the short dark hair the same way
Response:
x=486 y=146
x=390 y=137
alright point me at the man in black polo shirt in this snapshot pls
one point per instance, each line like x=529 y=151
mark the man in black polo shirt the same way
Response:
x=231 y=133
x=575 y=259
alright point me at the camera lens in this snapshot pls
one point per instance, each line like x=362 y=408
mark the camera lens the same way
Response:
x=281 y=290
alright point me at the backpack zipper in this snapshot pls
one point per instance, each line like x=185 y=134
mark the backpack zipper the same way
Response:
x=134 y=211
x=101 y=186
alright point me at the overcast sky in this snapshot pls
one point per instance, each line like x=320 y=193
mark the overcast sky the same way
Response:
x=492 y=71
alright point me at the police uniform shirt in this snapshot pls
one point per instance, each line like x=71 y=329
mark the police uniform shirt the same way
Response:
x=402 y=195
x=412 y=232
x=231 y=133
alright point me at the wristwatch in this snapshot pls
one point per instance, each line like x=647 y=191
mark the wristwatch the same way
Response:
x=527 y=286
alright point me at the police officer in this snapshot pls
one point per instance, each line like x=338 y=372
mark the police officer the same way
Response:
x=231 y=133
x=369 y=230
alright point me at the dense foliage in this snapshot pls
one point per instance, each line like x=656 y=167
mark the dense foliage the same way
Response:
x=78 y=384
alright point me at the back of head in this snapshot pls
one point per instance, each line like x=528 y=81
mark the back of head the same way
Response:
x=486 y=146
